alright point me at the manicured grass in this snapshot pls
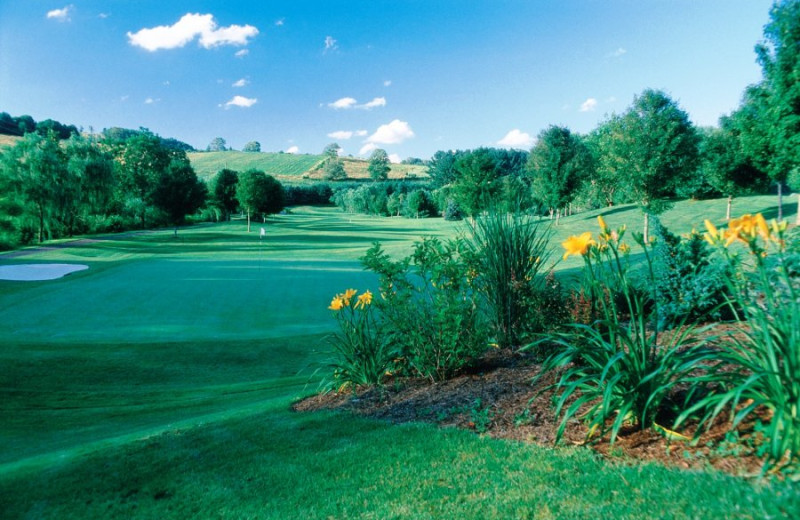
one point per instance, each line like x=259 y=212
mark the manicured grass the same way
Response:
x=157 y=384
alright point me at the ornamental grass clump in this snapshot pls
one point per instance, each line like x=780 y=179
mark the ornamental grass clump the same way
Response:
x=620 y=369
x=508 y=251
x=362 y=353
x=763 y=360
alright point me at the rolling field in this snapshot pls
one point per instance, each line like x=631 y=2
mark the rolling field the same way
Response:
x=157 y=384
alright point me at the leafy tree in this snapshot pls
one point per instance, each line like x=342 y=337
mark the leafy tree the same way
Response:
x=477 y=184
x=61 y=130
x=442 y=167
x=652 y=148
x=252 y=146
x=331 y=151
x=37 y=167
x=141 y=162
x=217 y=144
x=224 y=192
x=725 y=166
x=379 y=165
x=9 y=125
x=419 y=204
x=334 y=169
x=258 y=192
x=557 y=165
x=779 y=56
x=179 y=192
x=26 y=124
x=92 y=167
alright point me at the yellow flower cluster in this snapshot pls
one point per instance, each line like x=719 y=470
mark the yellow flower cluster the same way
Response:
x=747 y=229
x=343 y=300
x=582 y=244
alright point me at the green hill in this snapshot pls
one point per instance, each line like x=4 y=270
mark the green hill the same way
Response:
x=290 y=167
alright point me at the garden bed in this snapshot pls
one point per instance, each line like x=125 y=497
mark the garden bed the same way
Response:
x=497 y=398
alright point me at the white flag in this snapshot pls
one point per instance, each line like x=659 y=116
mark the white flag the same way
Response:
x=263 y=232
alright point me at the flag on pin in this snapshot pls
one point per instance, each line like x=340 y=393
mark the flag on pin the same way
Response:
x=263 y=232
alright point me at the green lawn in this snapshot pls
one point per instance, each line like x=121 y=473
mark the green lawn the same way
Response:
x=157 y=384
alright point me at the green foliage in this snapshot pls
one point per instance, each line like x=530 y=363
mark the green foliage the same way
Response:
x=363 y=355
x=689 y=287
x=378 y=165
x=619 y=370
x=179 y=192
x=429 y=306
x=217 y=144
x=334 y=169
x=477 y=184
x=223 y=192
x=507 y=252
x=252 y=147
x=258 y=192
x=763 y=361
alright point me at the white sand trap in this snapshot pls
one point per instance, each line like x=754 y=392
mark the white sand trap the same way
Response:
x=35 y=272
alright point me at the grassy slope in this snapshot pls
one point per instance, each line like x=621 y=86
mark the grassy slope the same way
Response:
x=157 y=383
x=289 y=167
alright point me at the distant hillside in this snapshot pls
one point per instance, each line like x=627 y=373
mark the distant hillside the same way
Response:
x=287 y=167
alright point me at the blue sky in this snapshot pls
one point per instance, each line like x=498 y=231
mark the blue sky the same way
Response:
x=412 y=77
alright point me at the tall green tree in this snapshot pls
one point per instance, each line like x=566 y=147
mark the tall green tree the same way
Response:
x=259 y=193
x=477 y=183
x=141 y=162
x=224 y=192
x=557 y=165
x=36 y=168
x=252 y=146
x=652 y=148
x=442 y=167
x=779 y=56
x=93 y=165
x=379 y=165
x=179 y=192
x=217 y=144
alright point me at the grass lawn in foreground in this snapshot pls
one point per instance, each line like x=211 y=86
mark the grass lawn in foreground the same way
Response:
x=157 y=384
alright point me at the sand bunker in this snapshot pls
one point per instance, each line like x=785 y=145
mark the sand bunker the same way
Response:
x=35 y=272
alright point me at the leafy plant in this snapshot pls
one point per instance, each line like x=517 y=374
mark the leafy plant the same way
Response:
x=481 y=416
x=363 y=354
x=619 y=370
x=764 y=358
x=429 y=307
x=507 y=253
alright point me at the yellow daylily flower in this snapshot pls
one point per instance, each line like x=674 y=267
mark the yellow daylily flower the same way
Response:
x=336 y=303
x=603 y=226
x=713 y=235
x=348 y=295
x=578 y=245
x=364 y=300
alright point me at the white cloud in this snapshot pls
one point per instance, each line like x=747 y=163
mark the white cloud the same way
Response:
x=279 y=23
x=187 y=29
x=330 y=44
x=242 y=53
x=589 y=105
x=367 y=149
x=377 y=102
x=241 y=83
x=361 y=133
x=62 y=15
x=293 y=149
x=394 y=158
x=341 y=134
x=387 y=83
x=516 y=139
x=103 y=15
x=617 y=53
x=343 y=103
x=392 y=133
x=241 y=101
x=151 y=101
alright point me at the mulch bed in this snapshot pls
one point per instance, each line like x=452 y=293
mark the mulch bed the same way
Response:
x=497 y=398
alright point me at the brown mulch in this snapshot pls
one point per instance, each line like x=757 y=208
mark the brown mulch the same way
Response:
x=497 y=398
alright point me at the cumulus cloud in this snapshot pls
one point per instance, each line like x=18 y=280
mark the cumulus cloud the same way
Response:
x=392 y=133
x=343 y=103
x=293 y=149
x=516 y=139
x=241 y=83
x=377 y=102
x=242 y=53
x=189 y=28
x=347 y=103
x=241 y=101
x=330 y=44
x=361 y=133
x=368 y=149
x=617 y=53
x=62 y=15
x=589 y=105
x=387 y=83
x=341 y=135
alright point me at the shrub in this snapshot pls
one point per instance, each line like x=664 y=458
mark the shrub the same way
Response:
x=763 y=362
x=507 y=251
x=619 y=370
x=689 y=287
x=430 y=307
x=362 y=353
